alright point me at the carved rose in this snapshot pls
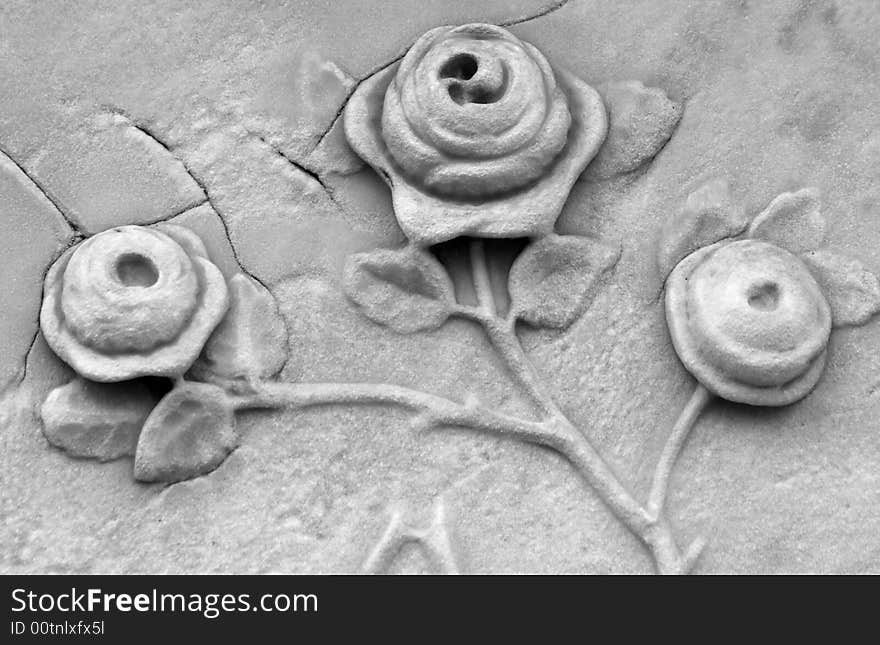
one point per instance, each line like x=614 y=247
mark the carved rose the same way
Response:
x=749 y=321
x=476 y=134
x=751 y=318
x=133 y=301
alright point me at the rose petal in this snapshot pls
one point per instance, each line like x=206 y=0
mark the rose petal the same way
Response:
x=428 y=219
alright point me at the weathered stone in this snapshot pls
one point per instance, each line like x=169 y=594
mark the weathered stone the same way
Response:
x=554 y=279
x=749 y=321
x=853 y=291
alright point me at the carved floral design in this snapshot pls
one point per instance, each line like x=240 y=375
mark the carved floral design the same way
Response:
x=751 y=318
x=133 y=301
x=433 y=540
x=476 y=134
x=749 y=321
x=446 y=192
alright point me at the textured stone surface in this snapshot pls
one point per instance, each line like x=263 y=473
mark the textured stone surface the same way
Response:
x=106 y=167
x=554 y=279
x=776 y=96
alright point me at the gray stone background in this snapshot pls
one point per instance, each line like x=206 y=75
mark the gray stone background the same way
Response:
x=224 y=115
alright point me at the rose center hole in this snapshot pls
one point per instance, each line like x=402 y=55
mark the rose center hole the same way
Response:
x=135 y=270
x=460 y=66
x=764 y=296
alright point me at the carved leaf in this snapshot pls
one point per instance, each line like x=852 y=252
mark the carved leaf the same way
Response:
x=405 y=289
x=792 y=221
x=852 y=291
x=190 y=433
x=553 y=280
x=709 y=215
x=250 y=342
x=641 y=121
x=96 y=420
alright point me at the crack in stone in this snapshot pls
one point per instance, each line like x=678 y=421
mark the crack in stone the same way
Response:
x=64 y=215
x=543 y=12
x=143 y=129
x=147 y=131
x=303 y=169
x=350 y=93
x=79 y=235
x=75 y=235
x=75 y=239
x=183 y=210
x=27 y=354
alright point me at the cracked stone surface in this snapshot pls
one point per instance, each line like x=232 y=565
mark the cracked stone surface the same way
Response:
x=33 y=228
x=225 y=119
x=106 y=167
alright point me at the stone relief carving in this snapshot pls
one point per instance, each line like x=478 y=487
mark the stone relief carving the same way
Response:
x=133 y=301
x=480 y=141
x=138 y=301
x=432 y=539
x=476 y=134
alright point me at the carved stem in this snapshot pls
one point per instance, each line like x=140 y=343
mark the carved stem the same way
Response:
x=502 y=333
x=576 y=445
x=677 y=438
x=482 y=281
x=503 y=337
x=436 y=410
x=649 y=524
x=557 y=433
x=668 y=559
x=433 y=540
x=388 y=546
